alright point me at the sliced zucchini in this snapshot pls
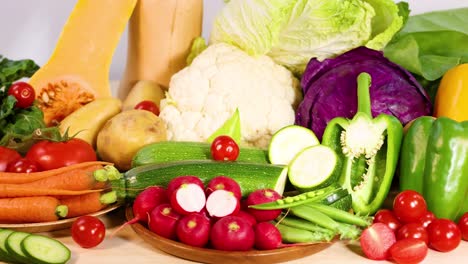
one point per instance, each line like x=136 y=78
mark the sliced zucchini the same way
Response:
x=42 y=249
x=288 y=141
x=4 y=255
x=13 y=246
x=314 y=167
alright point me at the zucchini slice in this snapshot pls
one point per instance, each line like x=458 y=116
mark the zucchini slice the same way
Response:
x=42 y=249
x=4 y=255
x=13 y=246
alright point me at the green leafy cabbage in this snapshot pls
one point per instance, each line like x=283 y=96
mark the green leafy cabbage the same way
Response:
x=294 y=31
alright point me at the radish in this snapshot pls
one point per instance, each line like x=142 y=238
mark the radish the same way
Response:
x=144 y=202
x=267 y=236
x=247 y=216
x=222 y=203
x=232 y=233
x=194 y=230
x=224 y=183
x=188 y=198
x=163 y=221
x=263 y=196
x=175 y=183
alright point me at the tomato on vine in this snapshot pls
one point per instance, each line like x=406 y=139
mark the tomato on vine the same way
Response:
x=88 y=231
x=24 y=94
x=224 y=148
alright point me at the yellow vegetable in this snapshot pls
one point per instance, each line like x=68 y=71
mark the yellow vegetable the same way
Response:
x=160 y=36
x=78 y=70
x=88 y=120
x=141 y=91
x=452 y=96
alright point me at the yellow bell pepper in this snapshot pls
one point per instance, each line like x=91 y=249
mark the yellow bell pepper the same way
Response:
x=452 y=96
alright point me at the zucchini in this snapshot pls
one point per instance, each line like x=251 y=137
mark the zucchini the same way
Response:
x=4 y=255
x=169 y=151
x=13 y=246
x=250 y=176
x=42 y=249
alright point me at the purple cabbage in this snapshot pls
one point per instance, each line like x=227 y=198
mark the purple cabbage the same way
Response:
x=330 y=89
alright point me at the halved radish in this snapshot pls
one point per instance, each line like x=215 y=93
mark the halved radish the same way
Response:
x=188 y=198
x=222 y=203
x=162 y=220
x=194 y=230
x=263 y=196
x=175 y=183
x=223 y=183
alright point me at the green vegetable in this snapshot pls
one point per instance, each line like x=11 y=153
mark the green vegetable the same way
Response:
x=292 y=32
x=232 y=128
x=368 y=150
x=4 y=255
x=293 y=221
x=13 y=246
x=434 y=162
x=42 y=249
x=340 y=215
x=169 y=151
x=250 y=176
x=290 y=234
x=11 y=71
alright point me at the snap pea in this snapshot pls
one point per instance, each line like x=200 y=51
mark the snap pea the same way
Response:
x=340 y=215
x=300 y=223
x=296 y=235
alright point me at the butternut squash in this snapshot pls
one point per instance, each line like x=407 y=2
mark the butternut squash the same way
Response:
x=78 y=69
x=141 y=91
x=161 y=33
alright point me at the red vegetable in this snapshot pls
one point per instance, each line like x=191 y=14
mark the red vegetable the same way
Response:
x=267 y=236
x=188 y=198
x=7 y=156
x=221 y=203
x=248 y=217
x=88 y=231
x=51 y=155
x=223 y=183
x=148 y=106
x=175 y=183
x=387 y=217
x=376 y=241
x=409 y=251
x=163 y=220
x=23 y=165
x=224 y=148
x=444 y=235
x=232 y=233
x=463 y=225
x=24 y=94
x=413 y=230
x=427 y=218
x=194 y=230
x=409 y=206
x=263 y=196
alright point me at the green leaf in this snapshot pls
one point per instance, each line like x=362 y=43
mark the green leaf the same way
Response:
x=11 y=70
x=232 y=128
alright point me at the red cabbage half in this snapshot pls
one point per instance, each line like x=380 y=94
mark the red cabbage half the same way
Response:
x=330 y=89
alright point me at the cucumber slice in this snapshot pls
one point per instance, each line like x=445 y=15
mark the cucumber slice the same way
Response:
x=288 y=141
x=13 y=246
x=42 y=249
x=4 y=255
x=313 y=167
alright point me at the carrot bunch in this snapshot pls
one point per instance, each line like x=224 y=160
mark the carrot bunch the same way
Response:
x=50 y=195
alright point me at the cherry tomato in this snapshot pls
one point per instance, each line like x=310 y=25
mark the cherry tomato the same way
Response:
x=7 y=156
x=51 y=155
x=224 y=148
x=463 y=225
x=88 y=231
x=23 y=165
x=387 y=217
x=427 y=218
x=409 y=206
x=413 y=230
x=148 y=106
x=409 y=251
x=24 y=94
x=444 y=235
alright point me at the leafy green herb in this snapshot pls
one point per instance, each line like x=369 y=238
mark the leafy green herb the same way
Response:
x=11 y=70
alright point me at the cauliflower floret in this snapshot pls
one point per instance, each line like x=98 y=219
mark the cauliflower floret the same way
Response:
x=202 y=96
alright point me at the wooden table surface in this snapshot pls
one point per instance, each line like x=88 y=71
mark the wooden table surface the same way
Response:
x=127 y=247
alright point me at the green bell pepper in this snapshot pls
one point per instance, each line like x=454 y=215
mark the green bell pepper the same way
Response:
x=434 y=162
x=368 y=150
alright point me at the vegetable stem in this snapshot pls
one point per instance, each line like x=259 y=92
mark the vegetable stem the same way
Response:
x=364 y=104
x=61 y=211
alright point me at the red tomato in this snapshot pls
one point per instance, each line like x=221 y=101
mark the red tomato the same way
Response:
x=444 y=235
x=51 y=155
x=148 y=106
x=23 y=165
x=224 y=148
x=463 y=225
x=409 y=206
x=376 y=241
x=409 y=251
x=88 y=231
x=7 y=156
x=387 y=217
x=413 y=230
x=24 y=94
x=427 y=218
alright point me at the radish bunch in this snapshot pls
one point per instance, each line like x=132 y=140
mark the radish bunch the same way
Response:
x=213 y=215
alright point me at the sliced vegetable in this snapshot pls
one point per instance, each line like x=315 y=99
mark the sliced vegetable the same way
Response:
x=221 y=203
x=13 y=246
x=376 y=241
x=188 y=198
x=4 y=255
x=408 y=251
x=45 y=250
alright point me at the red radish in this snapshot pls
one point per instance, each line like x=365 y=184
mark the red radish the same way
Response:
x=224 y=183
x=163 y=221
x=232 y=233
x=222 y=203
x=194 y=230
x=247 y=216
x=263 y=196
x=376 y=241
x=188 y=198
x=175 y=183
x=267 y=236
x=144 y=202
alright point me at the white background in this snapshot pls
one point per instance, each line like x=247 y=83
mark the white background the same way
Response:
x=30 y=28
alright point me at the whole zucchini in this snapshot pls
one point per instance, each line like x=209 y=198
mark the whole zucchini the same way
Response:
x=250 y=176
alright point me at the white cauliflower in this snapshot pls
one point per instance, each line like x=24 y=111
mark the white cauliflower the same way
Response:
x=202 y=96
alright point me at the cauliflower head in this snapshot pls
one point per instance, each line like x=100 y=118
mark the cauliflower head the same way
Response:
x=202 y=96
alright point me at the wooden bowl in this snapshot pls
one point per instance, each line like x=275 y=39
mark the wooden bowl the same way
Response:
x=207 y=255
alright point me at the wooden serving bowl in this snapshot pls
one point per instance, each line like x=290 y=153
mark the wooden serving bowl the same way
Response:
x=207 y=255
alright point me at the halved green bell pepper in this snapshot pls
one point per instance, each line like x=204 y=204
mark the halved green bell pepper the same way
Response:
x=368 y=150
x=434 y=162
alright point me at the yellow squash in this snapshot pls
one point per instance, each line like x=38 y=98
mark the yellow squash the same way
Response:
x=78 y=70
x=142 y=91
x=452 y=96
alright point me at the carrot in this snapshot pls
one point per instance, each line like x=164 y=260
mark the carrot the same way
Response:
x=18 y=190
x=31 y=209
x=74 y=180
x=88 y=203
x=14 y=177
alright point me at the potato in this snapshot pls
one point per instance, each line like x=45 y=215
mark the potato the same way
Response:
x=125 y=133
